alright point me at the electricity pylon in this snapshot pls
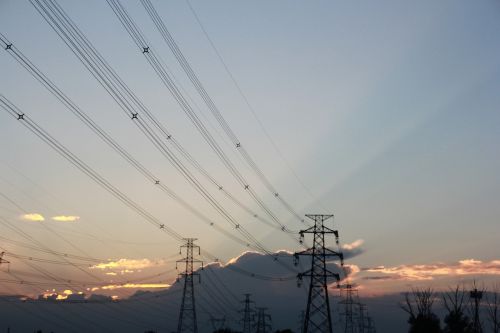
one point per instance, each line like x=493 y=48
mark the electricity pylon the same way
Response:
x=218 y=323
x=187 y=317
x=370 y=326
x=349 y=303
x=476 y=296
x=3 y=261
x=248 y=313
x=263 y=321
x=302 y=317
x=318 y=315
x=362 y=323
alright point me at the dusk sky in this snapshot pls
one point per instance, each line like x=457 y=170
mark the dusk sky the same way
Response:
x=383 y=113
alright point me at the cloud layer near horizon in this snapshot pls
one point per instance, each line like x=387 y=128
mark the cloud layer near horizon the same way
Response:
x=431 y=271
x=128 y=264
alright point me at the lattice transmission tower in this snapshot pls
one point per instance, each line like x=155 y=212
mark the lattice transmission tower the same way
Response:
x=3 y=261
x=217 y=323
x=349 y=300
x=248 y=315
x=356 y=317
x=264 y=321
x=187 y=316
x=300 y=323
x=476 y=295
x=318 y=318
x=370 y=326
x=362 y=318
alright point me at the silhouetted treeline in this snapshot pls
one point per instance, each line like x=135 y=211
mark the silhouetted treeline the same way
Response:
x=467 y=311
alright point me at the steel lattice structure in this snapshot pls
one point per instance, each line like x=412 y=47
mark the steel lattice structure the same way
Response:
x=349 y=301
x=187 y=316
x=248 y=313
x=263 y=321
x=318 y=314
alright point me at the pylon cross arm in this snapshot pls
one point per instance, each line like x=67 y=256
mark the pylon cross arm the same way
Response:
x=327 y=230
x=331 y=253
x=307 y=252
x=309 y=230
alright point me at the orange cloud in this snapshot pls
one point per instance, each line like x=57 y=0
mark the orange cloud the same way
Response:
x=134 y=286
x=65 y=218
x=432 y=271
x=35 y=217
x=128 y=265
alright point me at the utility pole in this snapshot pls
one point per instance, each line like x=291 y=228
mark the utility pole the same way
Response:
x=476 y=295
x=263 y=321
x=248 y=313
x=187 y=317
x=318 y=315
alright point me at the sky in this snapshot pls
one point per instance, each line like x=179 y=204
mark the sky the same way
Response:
x=382 y=113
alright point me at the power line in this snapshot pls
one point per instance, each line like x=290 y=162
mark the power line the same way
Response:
x=11 y=109
x=73 y=159
x=130 y=104
x=250 y=107
x=88 y=121
x=146 y=49
x=167 y=37
x=153 y=138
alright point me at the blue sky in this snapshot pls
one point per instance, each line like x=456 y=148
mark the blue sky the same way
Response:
x=388 y=111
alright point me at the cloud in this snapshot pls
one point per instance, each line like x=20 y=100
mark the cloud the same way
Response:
x=432 y=271
x=134 y=286
x=354 y=245
x=35 y=217
x=352 y=249
x=128 y=265
x=351 y=270
x=65 y=295
x=65 y=218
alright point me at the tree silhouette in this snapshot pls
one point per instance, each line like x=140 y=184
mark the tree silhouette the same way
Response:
x=418 y=304
x=456 y=321
x=493 y=301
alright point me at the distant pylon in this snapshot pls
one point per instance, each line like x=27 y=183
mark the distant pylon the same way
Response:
x=318 y=314
x=370 y=325
x=217 y=323
x=476 y=296
x=302 y=317
x=187 y=317
x=3 y=261
x=248 y=313
x=362 y=324
x=349 y=302
x=263 y=321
